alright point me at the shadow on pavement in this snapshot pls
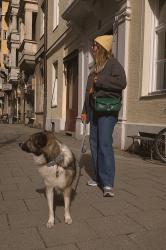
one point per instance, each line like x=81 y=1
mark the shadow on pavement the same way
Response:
x=86 y=163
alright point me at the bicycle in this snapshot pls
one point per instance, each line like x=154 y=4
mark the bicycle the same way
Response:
x=160 y=145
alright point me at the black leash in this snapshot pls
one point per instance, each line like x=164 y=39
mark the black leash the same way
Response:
x=81 y=152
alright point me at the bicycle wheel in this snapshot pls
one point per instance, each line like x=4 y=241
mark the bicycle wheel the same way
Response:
x=160 y=145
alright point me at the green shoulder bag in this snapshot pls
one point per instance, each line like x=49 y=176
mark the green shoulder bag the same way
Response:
x=107 y=104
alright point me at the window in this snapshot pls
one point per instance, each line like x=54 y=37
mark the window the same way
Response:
x=5 y=59
x=55 y=13
x=160 y=55
x=54 y=84
x=34 y=16
x=18 y=23
x=42 y=17
x=5 y=35
x=17 y=57
x=154 y=53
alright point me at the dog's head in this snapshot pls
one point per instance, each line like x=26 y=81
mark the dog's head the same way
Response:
x=35 y=143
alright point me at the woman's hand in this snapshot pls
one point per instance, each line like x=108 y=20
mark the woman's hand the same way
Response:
x=95 y=79
x=83 y=117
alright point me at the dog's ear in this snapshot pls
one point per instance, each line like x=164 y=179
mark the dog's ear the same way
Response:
x=40 y=140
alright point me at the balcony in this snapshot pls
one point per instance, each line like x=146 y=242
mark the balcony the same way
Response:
x=24 y=2
x=13 y=37
x=27 y=54
x=13 y=75
x=77 y=11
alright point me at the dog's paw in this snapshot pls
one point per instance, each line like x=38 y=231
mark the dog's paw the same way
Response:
x=68 y=220
x=50 y=223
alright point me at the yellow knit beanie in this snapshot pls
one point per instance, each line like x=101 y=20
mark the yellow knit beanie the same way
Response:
x=105 y=41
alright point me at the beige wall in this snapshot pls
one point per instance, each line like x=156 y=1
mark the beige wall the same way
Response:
x=55 y=49
x=53 y=35
x=59 y=112
x=4 y=49
x=147 y=109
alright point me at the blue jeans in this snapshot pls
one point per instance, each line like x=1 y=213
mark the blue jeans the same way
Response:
x=101 y=130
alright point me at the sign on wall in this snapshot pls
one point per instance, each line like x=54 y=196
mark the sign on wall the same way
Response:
x=7 y=86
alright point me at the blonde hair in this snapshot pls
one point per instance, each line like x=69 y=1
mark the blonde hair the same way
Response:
x=101 y=58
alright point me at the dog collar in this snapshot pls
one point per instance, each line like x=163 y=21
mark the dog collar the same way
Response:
x=51 y=163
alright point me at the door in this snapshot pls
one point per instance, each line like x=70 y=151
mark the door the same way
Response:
x=72 y=92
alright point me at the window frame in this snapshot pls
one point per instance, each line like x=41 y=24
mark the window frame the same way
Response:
x=56 y=15
x=42 y=20
x=54 y=85
x=156 y=29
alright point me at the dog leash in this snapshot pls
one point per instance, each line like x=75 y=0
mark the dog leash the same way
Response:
x=81 y=152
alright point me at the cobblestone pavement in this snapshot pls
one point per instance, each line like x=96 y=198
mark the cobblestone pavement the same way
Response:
x=134 y=219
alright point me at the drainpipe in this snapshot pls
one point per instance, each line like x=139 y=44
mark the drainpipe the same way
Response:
x=45 y=66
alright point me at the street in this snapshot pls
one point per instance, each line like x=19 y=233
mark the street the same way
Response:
x=134 y=219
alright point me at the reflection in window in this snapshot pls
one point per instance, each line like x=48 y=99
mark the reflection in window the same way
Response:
x=160 y=31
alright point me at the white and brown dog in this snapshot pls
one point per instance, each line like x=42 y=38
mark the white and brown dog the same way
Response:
x=57 y=166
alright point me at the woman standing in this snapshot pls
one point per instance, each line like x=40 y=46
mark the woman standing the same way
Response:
x=107 y=79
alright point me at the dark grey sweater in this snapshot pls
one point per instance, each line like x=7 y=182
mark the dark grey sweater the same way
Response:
x=111 y=81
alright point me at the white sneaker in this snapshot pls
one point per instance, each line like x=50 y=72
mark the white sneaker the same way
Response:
x=92 y=183
x=108 y=192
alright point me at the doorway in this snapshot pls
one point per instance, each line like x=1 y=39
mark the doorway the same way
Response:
x=71 y=65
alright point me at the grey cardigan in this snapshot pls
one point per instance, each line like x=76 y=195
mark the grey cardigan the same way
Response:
x=111 y=81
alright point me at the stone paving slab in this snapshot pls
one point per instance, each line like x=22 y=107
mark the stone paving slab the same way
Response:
x=3 y=222
x=29 y=219
x=148 y=203
x=16 y=180
x=64 y=247
x=8 y=187
x=84 y=212
x=115 y=207
x=36 y=204
x=22 y=239
x=11 y=207
x=114 y=225
x=66 y=234
x=112 y=243
x=150 y=240
x=150 y=219
x=21 y=194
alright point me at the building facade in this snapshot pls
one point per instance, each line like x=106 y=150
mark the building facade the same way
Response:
x=27 y=15
x=69 y=59
x=13 y=42
x=143 y=100
x=146 y=93
x=5 y=88
x=54 y=60
x=39 y=66
x=56 y=82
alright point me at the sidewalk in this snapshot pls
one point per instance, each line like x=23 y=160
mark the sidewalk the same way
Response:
x=134 y=219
